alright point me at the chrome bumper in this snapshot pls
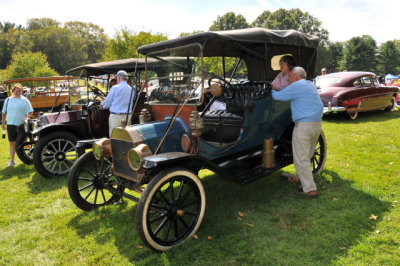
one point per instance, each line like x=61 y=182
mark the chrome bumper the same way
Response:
x=333 y=109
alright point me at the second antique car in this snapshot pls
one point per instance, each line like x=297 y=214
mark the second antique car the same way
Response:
x=354 y=92
x=212 y=111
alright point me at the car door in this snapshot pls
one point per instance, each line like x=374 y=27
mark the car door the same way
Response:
x=370 y=94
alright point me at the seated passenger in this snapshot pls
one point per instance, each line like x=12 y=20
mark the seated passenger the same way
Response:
x=286 y=64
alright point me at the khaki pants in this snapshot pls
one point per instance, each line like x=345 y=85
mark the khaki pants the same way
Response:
x=115 y=121
x=304 y=139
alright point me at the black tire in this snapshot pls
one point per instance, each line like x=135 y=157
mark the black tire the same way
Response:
x=55 y=153
x=352 y=115
x=87 y=182
x=392 y=105
x=25 y=148
x=167 y=214
x=319 y=157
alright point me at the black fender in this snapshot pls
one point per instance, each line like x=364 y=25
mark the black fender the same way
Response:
x=155 y=163
x=78 y=128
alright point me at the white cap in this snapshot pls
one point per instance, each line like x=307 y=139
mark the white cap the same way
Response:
x=122 y=74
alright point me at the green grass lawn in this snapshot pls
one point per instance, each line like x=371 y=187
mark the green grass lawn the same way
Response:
x=356 y=219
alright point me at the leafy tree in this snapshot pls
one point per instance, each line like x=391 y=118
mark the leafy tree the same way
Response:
x=93 y=36
x=63 y=48
x=389 y=58
x=126 y=43
x=295 y=19
x=260 y=20
x=40 y=23
x=10 y=37
x=229 y=21
x=359 y=54
x=329 y=57
x=29 y=64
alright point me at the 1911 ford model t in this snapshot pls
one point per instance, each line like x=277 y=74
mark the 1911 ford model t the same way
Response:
x=220 y=114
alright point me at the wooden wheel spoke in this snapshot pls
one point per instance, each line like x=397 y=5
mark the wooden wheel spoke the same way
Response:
x=160 y=226
x=87 y=196
x=85 y=187
x=186 y=204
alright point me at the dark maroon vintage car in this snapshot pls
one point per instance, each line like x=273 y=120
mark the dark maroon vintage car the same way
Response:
x=354 y=92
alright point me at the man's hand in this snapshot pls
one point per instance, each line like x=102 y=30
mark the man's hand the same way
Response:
x=276 y=88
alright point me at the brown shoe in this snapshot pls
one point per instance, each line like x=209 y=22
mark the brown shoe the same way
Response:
x=312 y=194
x=290 y=177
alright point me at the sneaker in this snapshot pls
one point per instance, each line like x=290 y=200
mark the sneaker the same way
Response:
x=11 y=163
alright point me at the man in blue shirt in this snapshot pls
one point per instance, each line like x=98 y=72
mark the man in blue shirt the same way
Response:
x=307 y=110
x=119 y=99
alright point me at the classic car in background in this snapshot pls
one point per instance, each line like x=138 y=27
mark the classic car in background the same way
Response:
x=354 y=92
x=157 y=163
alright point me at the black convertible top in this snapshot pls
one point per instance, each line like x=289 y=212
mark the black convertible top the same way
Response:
x=257 y=46
x=129 y=65
x=110 y=67
x=242 y=36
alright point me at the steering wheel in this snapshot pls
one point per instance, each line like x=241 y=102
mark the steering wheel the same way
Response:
x=97 y=92
x=228 y=92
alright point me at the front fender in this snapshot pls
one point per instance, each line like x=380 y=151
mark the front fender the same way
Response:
x=78 y=128
x=155 y=163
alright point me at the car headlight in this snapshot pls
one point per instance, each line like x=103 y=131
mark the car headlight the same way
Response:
x=36 y=124
x=26 y=125
x=102 y=149
x=136 y=155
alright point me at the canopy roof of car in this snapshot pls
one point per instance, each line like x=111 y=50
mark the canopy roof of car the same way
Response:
x=257 y=46
x=243 y=36
x=31 y=79
x=112 y=67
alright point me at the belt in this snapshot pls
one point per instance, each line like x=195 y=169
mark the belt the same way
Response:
x=113 y=113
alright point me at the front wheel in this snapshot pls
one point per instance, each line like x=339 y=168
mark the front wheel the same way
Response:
x=319 y=157
x=170 y=209
x=25 y=147
x=91 y=183
x=391 y=106
x=55 y=153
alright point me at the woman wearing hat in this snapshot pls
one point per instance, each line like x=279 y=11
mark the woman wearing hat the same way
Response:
x=16 y=109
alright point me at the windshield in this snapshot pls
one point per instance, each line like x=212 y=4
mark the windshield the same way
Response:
x=173 y=78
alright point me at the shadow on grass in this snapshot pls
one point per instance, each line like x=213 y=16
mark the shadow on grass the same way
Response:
x=260 y=223
x=19 y=170
x=374 y=116
x=39 y=184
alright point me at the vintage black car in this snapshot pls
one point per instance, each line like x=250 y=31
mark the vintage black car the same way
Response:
x=53 y=137
x=215 y=111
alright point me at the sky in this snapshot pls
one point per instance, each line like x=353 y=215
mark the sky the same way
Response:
x=343 y=19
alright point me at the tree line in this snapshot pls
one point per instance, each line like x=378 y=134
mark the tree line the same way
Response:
x=47 y=47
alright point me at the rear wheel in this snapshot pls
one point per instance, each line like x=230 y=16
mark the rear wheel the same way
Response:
x=352 y=115
x=319 y=157
x=88 y=181
x=25 y=148
x=170 y=209
x=55 y=153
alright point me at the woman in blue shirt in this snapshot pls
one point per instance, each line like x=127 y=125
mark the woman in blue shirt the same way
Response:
x=16 y=109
